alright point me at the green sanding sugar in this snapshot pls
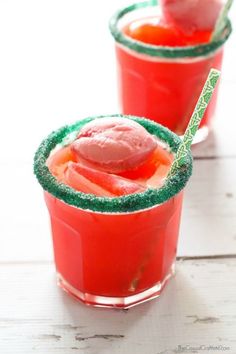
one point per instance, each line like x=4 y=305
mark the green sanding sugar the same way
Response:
x=128 y=203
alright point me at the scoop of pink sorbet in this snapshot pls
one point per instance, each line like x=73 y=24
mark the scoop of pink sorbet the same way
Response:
x=113 y=144
x=192 y=15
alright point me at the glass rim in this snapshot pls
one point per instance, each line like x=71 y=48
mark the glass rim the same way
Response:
x=163 y=51
x=124 y=204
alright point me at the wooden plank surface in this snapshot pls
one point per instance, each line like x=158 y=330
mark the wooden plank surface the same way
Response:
x=209 y=213
x=197 y=309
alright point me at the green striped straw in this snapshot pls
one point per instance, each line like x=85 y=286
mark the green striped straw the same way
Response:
x=195 y=120
x=220 y=23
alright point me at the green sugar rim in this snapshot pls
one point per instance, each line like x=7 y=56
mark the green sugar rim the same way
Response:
x=163 y=51
x=128 y=203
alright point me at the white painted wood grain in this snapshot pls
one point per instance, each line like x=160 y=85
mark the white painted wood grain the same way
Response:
x=197 y=308
x=209 y=212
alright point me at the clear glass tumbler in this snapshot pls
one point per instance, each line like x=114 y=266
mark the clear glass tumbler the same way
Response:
x=113 y=252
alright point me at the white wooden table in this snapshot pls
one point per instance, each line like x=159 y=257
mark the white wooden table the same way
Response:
x=56 y=68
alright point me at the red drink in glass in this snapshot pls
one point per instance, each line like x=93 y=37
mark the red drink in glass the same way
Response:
x=114 y=259
x=113 y=252
x=161 y=71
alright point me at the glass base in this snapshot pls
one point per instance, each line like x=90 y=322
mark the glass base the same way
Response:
x=115 y=302
x=201 y=135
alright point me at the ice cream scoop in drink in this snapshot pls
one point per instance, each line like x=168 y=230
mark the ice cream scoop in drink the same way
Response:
x=112 y=157
x=192 y=15
x=114 y=144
